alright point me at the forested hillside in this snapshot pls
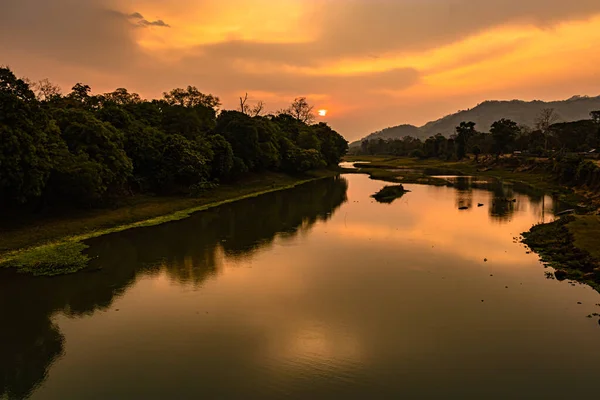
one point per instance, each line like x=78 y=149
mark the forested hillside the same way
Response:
x=485 y=114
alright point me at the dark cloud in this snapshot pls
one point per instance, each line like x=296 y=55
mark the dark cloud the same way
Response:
x=70 y=31
x=141 y=21
x=159 y=22
x=373 y=26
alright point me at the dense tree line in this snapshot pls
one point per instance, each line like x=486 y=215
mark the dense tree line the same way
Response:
x=82 y=149
x=548 y=137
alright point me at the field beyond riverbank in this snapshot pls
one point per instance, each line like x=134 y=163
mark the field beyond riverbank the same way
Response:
x=53 y=244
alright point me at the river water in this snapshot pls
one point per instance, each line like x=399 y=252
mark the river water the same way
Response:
x=317 y=292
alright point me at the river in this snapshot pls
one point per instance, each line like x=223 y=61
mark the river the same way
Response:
x=316 y=292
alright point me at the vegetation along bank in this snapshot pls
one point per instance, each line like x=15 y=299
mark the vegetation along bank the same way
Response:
x=78 y=165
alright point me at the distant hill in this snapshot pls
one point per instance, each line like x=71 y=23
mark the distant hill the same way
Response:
x=485 y=114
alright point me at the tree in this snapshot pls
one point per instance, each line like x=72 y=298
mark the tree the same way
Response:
x=122 y=97
x=333 y=145
x=504 y=133
x=12 y=86
x=222 y=161
x=190 y=122
x=577 y=135
x=301 y=110
x=257 y=109
x=242 y=133
x=476 y=150
x=595 y=116
x=464 y=132
x=80 y=92
x=183 y=163
x=253 y=111
x=191 y=97
x=46 y=90
x=100 y=150
x=27 y=138
x=544 y=121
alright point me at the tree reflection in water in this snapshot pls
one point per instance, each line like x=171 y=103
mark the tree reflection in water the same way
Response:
x=190 y=251
x=505 y=200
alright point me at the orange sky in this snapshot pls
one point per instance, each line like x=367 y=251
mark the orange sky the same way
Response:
x=371 y=63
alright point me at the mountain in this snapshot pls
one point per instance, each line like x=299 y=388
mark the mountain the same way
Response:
x=485 y=114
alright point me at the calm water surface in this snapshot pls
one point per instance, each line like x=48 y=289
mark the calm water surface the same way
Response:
x=315 y=293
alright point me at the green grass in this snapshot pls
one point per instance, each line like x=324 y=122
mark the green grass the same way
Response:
x=55 y=246
x=557 y=247
x=50 y=259
x=586 y=233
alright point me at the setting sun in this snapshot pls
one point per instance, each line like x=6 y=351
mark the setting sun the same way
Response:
x=322 y=113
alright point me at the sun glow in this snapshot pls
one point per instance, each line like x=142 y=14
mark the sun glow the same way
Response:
x=322 y=113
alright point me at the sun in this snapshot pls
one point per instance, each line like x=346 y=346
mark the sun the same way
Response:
x=322 y=113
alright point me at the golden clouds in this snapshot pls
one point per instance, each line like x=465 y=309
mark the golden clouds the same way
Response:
x=238 y=20
x=374 y=63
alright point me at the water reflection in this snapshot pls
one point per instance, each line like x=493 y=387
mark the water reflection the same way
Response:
x=506 y=197
x=189 y=251
x=290 y=296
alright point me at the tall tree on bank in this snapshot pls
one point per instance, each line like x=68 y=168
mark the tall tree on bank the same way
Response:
x=544 y=121
x=27 y=138
x=464 y=133
x=504 y=133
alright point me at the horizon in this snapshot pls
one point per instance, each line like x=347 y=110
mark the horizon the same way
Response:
x=370 y=64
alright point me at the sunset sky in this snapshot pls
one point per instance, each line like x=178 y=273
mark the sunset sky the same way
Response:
x=370 y=63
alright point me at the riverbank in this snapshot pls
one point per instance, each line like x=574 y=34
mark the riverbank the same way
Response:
x=54 y=245
x=414 y=170
x=571 y=245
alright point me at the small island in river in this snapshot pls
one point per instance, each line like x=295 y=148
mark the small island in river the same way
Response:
x=390 y=193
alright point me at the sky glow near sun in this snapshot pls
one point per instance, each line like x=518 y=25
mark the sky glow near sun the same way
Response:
x=376 y=63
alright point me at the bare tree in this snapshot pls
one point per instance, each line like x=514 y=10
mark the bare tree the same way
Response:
x=243 y=106
x=546 y=118
x=258 y=109
x=301 y=110
x=45 y=90
x=253 y=111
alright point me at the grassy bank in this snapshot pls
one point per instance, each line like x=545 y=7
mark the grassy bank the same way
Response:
x=54 y=245
x=570 y=245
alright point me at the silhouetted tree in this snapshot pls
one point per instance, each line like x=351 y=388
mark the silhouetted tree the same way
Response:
x=504 y=133
x=464 y=132
x=301 y=110
x=191 y=97
x=544 y=121
x=476 y=150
